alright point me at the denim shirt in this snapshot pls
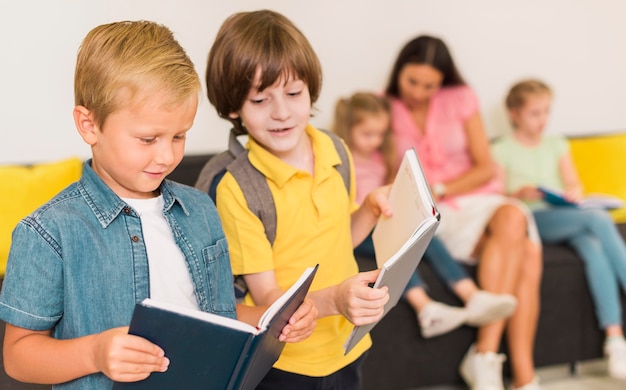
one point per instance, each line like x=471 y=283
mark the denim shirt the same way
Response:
x=78 y=264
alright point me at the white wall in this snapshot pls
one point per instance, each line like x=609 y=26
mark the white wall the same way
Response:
x=577 y=46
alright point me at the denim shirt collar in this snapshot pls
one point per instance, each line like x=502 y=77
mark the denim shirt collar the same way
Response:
x=107 y=205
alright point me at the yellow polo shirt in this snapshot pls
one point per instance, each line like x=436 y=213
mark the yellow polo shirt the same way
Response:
x=313 y=227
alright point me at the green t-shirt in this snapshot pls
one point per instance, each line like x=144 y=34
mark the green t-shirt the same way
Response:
x=531 y=166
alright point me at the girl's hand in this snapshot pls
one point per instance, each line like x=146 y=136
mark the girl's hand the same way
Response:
x=573 y=194
x=301 y=324
x=127 y=358
x=528 y=193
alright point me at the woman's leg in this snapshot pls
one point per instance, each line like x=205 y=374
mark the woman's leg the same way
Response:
x=501 y=258
x=522 y=325
x=510 y=263
x=482 y=307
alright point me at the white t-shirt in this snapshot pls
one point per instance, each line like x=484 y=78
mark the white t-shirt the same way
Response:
x=170 y=280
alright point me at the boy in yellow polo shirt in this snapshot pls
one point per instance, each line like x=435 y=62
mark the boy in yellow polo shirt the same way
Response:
x=263 y=76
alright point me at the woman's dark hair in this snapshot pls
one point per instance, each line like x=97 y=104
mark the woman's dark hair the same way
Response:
x=425 y=50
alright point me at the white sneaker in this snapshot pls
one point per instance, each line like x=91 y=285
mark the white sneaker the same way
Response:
x=532 y=385
x=615 y=350
x=437 y=318
x=485 y=307
x=482 y=371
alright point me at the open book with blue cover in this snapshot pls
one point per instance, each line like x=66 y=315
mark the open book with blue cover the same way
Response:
x=209 y=351
x=401 y=240
x=556 y=198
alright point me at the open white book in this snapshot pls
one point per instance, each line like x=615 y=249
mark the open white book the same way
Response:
x=603 y=201
x=400 y=241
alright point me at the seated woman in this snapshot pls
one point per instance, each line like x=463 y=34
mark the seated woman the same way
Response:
x=435 y=112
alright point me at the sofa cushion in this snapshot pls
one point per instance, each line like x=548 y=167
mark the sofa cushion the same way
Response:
x=24 y=188
x=600 y=161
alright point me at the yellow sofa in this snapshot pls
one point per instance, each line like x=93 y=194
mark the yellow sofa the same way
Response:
x=601 y=164
x=24 y=188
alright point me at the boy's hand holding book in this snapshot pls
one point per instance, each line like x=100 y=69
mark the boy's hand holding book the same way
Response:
x=358 y=302
x=301 y=324
x=127 y=358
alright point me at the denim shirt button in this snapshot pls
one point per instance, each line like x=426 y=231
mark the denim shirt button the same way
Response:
x=126 y=210
x=135 y=238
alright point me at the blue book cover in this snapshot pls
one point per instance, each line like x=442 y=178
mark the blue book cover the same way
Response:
x=208 y=351
x=601 y=201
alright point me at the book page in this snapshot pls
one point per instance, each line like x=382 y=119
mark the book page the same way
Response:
x=603 y=201
x=201 y=315
x=265 y=319
x=400 y=241
x=411 y=203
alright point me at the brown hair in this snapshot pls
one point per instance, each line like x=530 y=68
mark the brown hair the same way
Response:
x=139 y=57
x=352 y=111
x=519 y=92
x=264 y=41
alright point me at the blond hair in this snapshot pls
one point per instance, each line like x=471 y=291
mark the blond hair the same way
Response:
x=264 y=41
x=519 y=92
x=140 y=58
x=351 y=111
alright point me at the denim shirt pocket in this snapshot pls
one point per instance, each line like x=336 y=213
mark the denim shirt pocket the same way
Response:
x=220 y=278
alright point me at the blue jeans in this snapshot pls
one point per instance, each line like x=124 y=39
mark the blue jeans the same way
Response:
x=593 y=235
x=448 y=269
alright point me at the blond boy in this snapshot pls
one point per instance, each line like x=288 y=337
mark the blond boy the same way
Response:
x=122 y=233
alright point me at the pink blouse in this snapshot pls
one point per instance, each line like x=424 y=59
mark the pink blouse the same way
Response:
x=443 y=149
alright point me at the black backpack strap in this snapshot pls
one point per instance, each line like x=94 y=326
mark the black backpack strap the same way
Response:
x=344 y=167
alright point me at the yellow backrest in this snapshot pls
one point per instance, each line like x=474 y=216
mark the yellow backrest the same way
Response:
x=24 y=188
x=601 y=164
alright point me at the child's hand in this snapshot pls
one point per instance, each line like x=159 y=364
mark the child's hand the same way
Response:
x=573 y=194
x=528 y=193
x=378 y=201
x=358 y=302
x=301 y=324
x=127 y=358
